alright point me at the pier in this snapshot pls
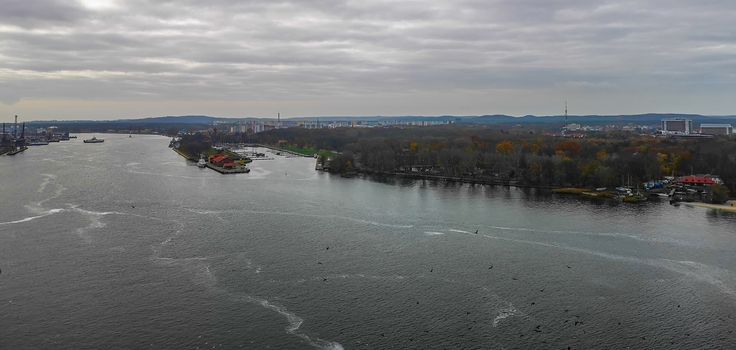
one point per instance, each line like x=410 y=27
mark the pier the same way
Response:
x=221 y=170
x=16 y=151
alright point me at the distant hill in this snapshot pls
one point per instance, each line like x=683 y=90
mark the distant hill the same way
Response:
x=496 y=119
x=640 y=119
x=187 y=119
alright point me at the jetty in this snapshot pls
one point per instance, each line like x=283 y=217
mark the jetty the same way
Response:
x=16 y=151
x=223 y=170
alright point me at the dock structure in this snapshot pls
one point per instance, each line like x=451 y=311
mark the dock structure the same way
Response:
x=222 y=170
x=16 y=151
x=222 y=166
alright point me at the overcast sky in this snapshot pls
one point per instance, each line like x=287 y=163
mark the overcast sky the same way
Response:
x=108 y=59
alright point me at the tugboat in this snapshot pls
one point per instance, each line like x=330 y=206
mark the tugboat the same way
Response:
x=94 y=140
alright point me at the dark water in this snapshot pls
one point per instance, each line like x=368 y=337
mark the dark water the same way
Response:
x=125 y=245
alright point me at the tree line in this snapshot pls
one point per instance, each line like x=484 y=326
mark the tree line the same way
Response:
x=519 y=156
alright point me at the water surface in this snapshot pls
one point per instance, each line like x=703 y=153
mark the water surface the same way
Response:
x=126 y=245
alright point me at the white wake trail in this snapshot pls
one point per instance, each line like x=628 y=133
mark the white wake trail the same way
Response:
x=31 y=218
x=709 y=274
x=286 y=213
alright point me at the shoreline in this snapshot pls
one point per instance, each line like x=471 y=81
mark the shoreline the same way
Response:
x=711 y=206
x=224 y=171
x=560 y=190
x=186 y=156
x=458 y=179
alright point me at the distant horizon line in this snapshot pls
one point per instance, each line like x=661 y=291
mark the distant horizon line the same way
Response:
x=378 y=116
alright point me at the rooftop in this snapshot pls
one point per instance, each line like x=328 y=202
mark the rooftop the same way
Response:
x=716 y=125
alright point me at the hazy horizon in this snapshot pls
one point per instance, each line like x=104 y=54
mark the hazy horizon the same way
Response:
x=9 y=119
x=109 y=59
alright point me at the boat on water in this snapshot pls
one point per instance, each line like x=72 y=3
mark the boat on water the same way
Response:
x=202 y=163
x=94 y=140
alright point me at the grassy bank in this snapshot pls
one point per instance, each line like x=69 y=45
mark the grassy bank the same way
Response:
x=185 y=155
x=307 y=151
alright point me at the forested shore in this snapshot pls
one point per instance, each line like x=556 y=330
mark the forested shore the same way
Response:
x=520 y=157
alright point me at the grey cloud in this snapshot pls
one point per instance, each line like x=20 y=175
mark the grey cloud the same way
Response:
x=316 y=50
x=28 y=14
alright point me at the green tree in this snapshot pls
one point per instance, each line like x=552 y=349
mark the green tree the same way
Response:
x=720 y=194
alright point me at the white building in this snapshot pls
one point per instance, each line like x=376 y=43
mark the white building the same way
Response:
x=716 y=129
x=677 y=126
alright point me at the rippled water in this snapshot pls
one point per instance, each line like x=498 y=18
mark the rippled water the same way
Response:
x=125 y=245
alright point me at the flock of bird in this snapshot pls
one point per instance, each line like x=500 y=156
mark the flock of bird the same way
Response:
x=537 y=329
x=576 y=320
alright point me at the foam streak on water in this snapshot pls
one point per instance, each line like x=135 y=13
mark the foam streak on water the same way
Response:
x=47 y=179
x=295 y=322
x=95 y=221
x=200 y=267
x=31 y=218
x=719 y=278
x=457 y=231
x=37 y=207
x=433 y=233
x=203 y=274
x=505 y=313
x=263 y=212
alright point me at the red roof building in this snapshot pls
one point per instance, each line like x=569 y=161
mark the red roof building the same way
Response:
x=701 y=180
x=219 y=159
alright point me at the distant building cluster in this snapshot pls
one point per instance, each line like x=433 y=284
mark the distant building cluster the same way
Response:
x=684 y=127
x=251 y=127
x=671 y=127
x=257 y=126
x=576 y=130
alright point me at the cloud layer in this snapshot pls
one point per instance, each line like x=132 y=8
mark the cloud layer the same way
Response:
x=108 y=59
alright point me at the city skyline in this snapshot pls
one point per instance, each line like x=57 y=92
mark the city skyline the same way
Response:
x=116 y=60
